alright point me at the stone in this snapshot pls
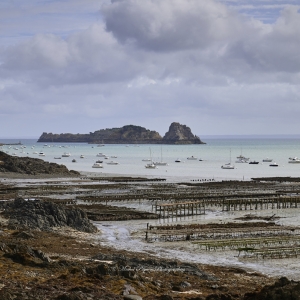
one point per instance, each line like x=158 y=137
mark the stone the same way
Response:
x=132 y=297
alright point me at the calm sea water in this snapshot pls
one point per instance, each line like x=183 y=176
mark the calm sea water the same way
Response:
x=213 y=155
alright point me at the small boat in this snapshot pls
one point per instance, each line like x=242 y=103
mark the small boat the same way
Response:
x=160 y=163
x=57 y=157
x=73 y=160
x=192 y=158
x=146 y=159
x=97 y=165
x=253 y=162
x=66 y=154
x=81 y=156
x=99 y=161
x=267 y=159
x=200 y=159
x=112 y=163
x=274 y=164
x=113 y=156
x=101 y=154
x=228 y=166
x=242 y=159
x=42 y=154
x=151 y=166
x=294 y=160
x=178 y=160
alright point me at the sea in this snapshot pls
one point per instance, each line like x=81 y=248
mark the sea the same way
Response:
x=210 y=157
x=217 y=151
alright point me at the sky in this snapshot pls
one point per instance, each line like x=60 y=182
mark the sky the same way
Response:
x=227 y=67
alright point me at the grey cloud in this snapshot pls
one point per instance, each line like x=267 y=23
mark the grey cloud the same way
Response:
x=171 y=25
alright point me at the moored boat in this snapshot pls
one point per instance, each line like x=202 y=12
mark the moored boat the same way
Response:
x=66 y=154
x=267 y=159
x=97 y=165
x=112 y=163
x=192 y=158
x=294 y=160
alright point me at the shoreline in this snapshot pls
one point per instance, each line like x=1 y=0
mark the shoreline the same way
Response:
x=126 y=236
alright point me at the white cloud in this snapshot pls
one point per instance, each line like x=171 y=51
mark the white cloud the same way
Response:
x=152 y=62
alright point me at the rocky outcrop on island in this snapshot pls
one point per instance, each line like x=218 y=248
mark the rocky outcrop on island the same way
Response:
x=32 y=166
x=44 y=215
x=180 y=134
x=129 y=134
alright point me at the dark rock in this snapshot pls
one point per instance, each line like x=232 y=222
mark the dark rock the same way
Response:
x=165 y=297
x=129 y=134
x=283 y=289
x=132 y=297
x=180 y=134
x=32 y=166
x=25 y=255
x=45 y=215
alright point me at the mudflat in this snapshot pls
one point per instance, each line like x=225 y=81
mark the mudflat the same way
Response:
x=60 y=260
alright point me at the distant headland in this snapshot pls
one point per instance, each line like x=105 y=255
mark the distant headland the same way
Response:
x=178 y=134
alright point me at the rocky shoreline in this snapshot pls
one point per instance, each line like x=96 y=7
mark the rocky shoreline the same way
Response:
x=50 y=250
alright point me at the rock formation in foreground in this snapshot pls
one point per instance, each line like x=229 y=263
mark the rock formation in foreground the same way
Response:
x=32 y=166
x=43 y=215
x=129 y=134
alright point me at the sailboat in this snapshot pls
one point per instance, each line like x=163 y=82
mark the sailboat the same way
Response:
x=229 y=165
x=150 y=165
x=160 y=163
x=242 y=159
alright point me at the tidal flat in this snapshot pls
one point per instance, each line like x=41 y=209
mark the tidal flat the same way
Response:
x=154 y=239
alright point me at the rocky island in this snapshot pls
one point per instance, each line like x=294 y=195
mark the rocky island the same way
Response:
x=129 y=134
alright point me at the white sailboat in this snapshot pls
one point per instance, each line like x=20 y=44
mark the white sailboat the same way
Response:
x=160 y=163
x=150 y=165
x=229 y=165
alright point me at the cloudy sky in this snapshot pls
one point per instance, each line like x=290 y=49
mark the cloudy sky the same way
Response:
x=227 y=67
